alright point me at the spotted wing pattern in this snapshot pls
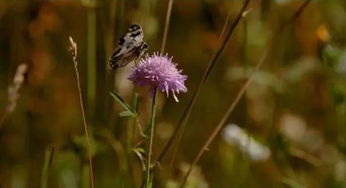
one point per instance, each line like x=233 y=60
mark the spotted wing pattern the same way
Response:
x=130 y=48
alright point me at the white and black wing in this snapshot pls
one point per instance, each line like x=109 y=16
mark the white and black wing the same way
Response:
x=130 y=47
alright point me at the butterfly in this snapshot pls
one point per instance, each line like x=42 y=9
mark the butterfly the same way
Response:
x=130 y=48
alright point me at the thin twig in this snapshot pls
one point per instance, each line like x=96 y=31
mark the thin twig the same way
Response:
x=73 y=49
x=151 y=139
x=224 y=118
x=219 y=126
x=176 y=148
x=211 y=64
x=165 y=32
x=224 y=27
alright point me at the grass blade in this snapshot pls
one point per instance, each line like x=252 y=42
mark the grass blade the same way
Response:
x=122 y=102
x=211 y=64
x=48 y=159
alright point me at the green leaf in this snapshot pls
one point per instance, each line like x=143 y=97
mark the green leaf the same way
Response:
x=141 y=150
x=126 y=114
x=122 y=102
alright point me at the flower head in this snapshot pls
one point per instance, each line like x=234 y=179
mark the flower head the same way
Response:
x=158 y=71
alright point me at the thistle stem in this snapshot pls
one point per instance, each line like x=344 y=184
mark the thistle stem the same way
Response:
x=151 y=139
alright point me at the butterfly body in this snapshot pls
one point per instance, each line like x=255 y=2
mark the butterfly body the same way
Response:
x=130 y=48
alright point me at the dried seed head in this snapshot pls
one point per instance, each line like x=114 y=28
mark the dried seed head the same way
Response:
x=13 y=90
x=73 y=50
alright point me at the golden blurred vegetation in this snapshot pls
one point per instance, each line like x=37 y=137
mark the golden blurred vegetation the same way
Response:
x=295 y=108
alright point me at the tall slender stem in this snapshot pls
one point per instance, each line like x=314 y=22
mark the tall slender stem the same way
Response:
x=212 y=62
x=85 y=128
x=48 y=159
x=73 y=49
x=165 y=32
x=176 y=148
x=232 y=106
x=151 y=139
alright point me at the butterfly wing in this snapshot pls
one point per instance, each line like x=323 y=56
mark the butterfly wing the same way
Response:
x=128 y=48
x=123 y=59
x=118 y=57
x=134 y=36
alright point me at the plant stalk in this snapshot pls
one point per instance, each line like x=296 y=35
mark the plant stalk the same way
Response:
x=211 y=64
x=149 y=176
x=219 y=126
x=48 y=159
x=165 y=32
x=73 y=49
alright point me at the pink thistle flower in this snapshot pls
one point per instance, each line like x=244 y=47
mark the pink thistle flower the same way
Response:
x=159 y=71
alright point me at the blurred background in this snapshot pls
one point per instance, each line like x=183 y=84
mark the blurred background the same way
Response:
x=289 y=129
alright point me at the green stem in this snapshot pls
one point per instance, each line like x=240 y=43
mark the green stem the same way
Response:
x=48 y=159
x=151 y=139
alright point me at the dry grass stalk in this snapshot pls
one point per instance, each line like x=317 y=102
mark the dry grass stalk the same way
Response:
x=165 y=32
x=186 y=114
x=232 y=106
x=73 y=50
